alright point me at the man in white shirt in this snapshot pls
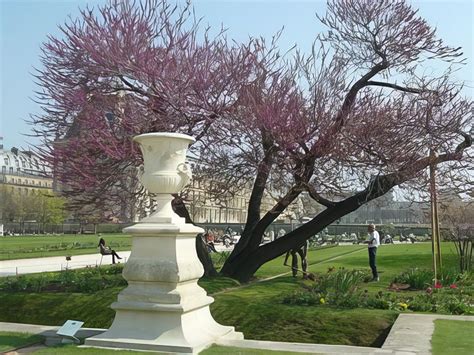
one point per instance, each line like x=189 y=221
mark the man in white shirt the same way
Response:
x=374 y=242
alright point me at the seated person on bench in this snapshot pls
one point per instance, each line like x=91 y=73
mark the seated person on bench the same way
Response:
x=107 y=251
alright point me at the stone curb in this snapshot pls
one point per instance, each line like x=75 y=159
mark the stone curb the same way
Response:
x=411 y=333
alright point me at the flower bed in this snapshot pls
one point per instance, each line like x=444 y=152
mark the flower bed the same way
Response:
x=344 y=289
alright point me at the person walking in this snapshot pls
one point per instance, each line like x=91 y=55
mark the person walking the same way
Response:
x=374 y=242
x=303 y=252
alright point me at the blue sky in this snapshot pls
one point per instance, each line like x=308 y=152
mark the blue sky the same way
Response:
x=25 y=24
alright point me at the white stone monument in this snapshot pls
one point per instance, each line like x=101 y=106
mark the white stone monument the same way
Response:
x=163 y=308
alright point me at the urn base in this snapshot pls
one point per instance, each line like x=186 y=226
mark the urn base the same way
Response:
x=163 y=331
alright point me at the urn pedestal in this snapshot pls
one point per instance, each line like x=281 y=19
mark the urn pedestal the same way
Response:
x=163 y=308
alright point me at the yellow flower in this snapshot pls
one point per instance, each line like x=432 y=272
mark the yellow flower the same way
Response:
x=403 y=305
x=322 y=301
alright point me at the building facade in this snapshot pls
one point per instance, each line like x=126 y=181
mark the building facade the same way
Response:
x=23 y=172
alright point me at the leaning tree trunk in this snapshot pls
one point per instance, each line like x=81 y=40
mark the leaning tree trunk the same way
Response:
x=248 y=262
x=251 y=258
x=180 y=209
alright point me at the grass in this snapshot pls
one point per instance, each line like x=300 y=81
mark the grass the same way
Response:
x=276 y=267
x=392 y=260
x=213 y=350
x=256 y=309
x=452 y=337
x=19 y=247
x=13 y=340
x=229 y=350
x=258 y=312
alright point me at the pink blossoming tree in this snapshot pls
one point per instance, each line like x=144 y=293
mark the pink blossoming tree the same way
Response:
x=355 y=113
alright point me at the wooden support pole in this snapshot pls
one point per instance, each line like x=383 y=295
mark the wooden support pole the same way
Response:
x=435 y=240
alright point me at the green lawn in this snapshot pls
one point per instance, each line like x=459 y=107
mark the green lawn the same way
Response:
x=392 y=259
x=213 y=350
x=276 y=267
x=453 y=337
x=11 y=340
x=19 y=247
x=257 y=309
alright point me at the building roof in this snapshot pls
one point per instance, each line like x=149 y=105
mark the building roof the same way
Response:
x=15 y=161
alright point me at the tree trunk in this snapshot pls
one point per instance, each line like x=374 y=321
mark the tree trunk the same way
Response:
x=249 y=261
x=180 y=209
x=244 y=267
x=204 y=257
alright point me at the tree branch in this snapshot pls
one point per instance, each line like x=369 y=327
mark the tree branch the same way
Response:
x=394 y=86
x=376 y=188
x=317 y=197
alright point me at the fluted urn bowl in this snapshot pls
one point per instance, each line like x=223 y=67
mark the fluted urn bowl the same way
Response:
x=164 y=170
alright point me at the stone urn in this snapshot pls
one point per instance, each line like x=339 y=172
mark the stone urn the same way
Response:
x=163 y=308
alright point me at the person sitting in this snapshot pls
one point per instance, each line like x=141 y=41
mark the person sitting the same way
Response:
x=209 y=238
x=104 y=250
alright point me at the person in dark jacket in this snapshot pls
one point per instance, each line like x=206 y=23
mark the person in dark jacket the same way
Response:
x=104 y=250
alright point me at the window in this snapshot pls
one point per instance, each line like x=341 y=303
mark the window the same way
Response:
x=11 y=170
x=7 y=161
x=4 y=169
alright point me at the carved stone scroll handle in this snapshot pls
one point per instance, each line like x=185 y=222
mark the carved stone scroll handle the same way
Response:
x=185 y=173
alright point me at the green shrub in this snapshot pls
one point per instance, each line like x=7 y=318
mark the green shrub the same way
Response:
x=454 y=304
x=302 y=298
x=377 y=303
x=340 y=289
x=337 y=288
x=88 y=280
x=339 y=283
x=345 y=282
x=418 y=279
x=422 y=303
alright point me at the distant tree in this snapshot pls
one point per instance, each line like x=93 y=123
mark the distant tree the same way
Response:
x=356 y=113
x=7 y=212
x=40 y=207
x=457 y=217
x=49 y=209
